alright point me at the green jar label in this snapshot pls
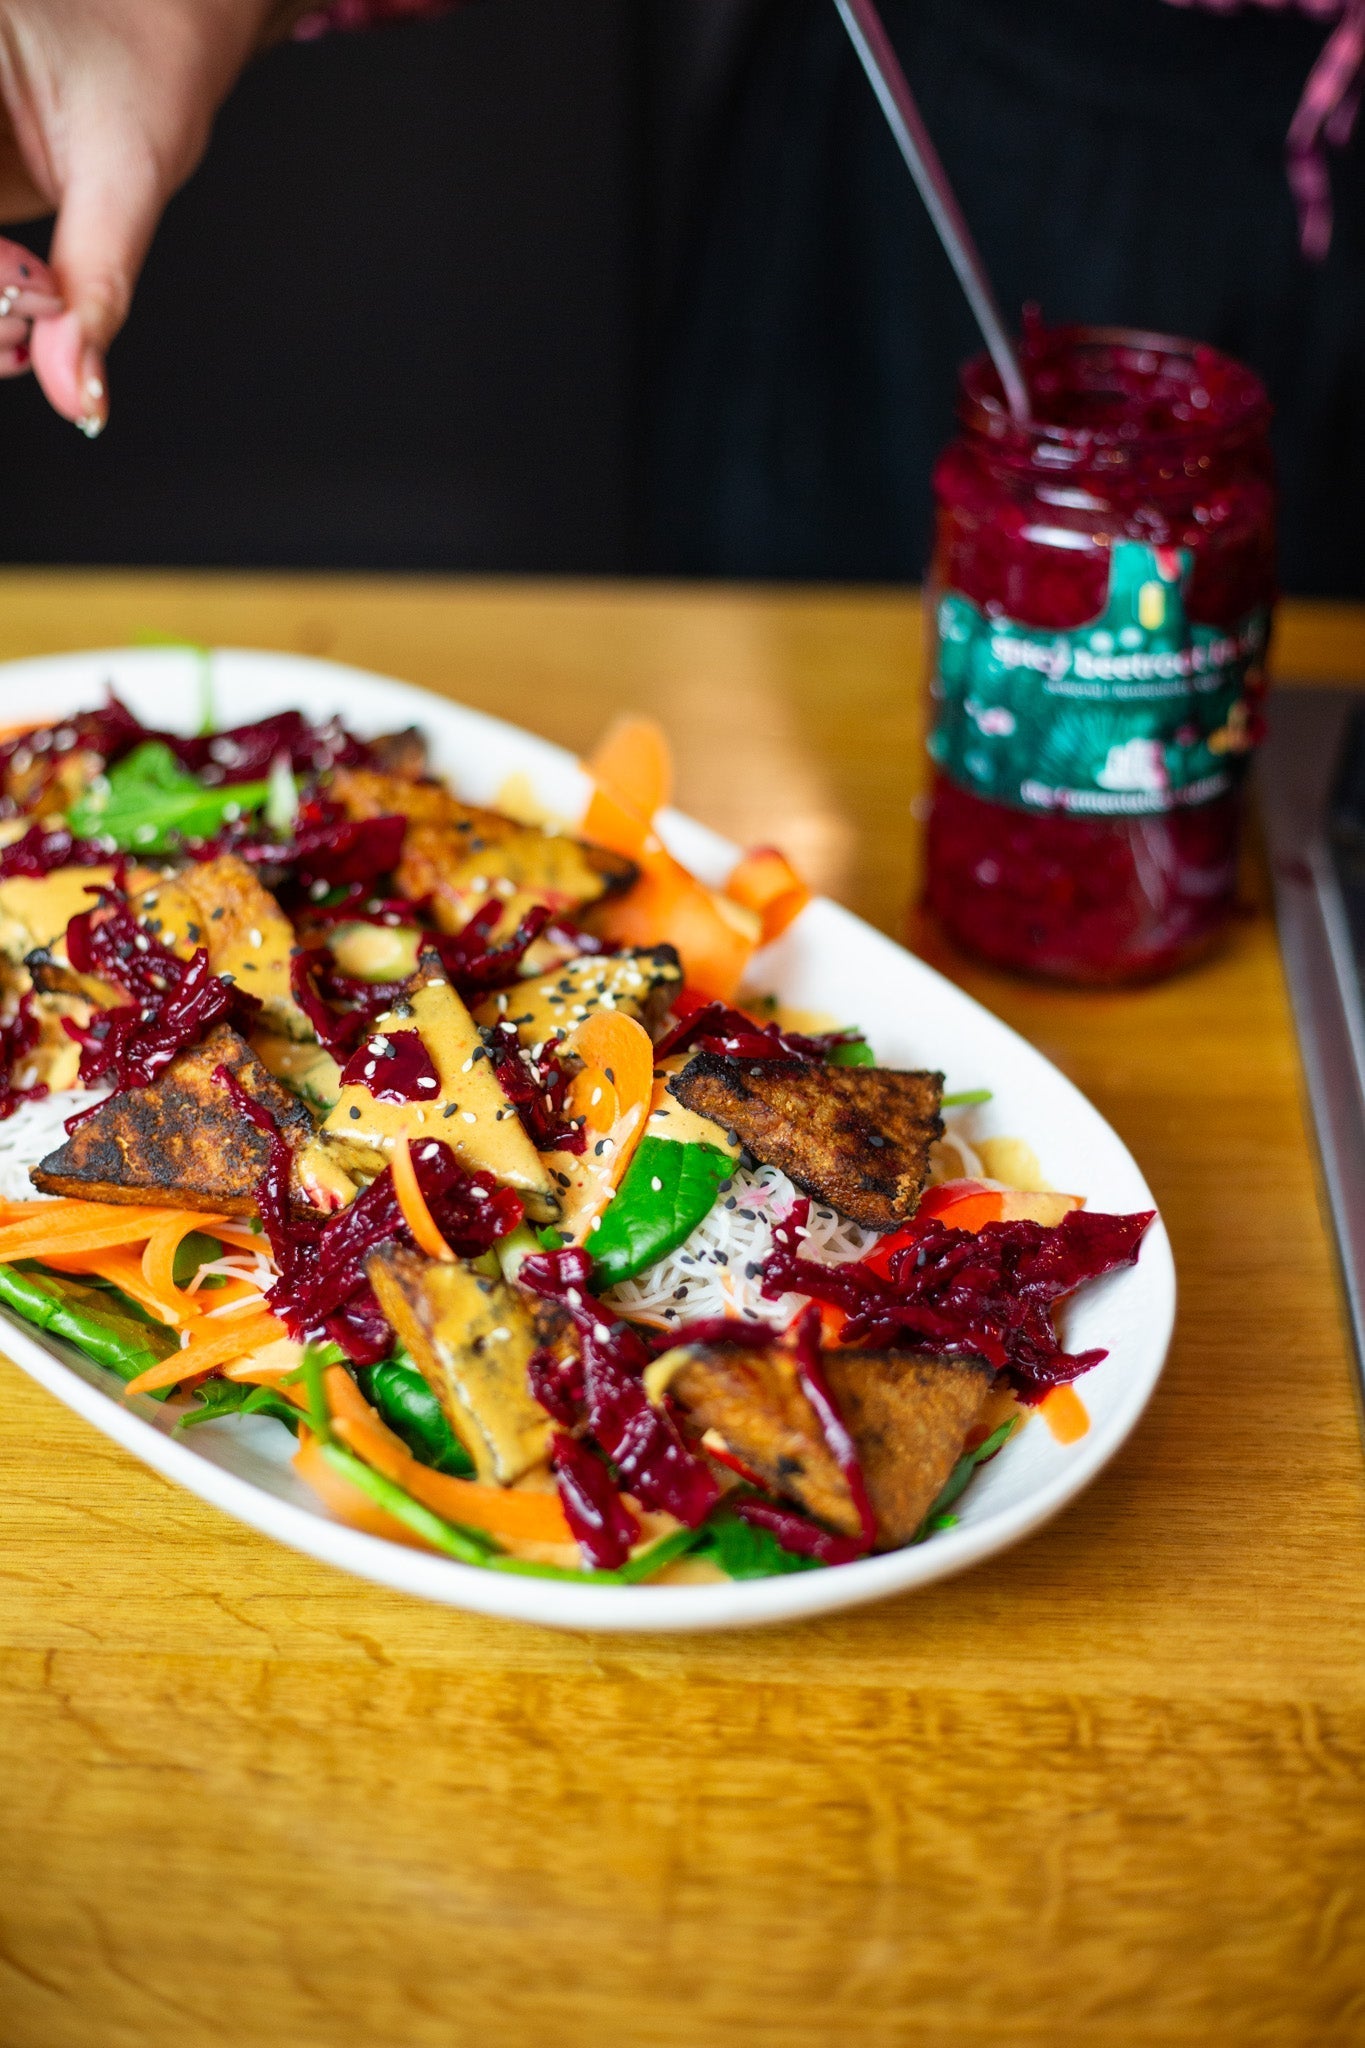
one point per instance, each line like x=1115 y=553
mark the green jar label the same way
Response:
x=1139 y=712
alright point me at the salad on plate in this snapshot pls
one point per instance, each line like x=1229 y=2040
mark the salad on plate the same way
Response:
x=464 y=1145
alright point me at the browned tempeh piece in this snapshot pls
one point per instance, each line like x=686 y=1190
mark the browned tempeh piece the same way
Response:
x=472 y=1337
x=855 y=1137
x=180 y=1140
x=401 y=753
x=908 y=1413
x=754 y=1400
x=456 y=852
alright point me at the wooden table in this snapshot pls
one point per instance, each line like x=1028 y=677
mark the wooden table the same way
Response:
x=1107 y=1789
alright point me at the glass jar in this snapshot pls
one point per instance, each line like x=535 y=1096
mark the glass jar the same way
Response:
x=1099 y=603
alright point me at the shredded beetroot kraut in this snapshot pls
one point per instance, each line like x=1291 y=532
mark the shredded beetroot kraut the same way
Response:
x=536 y=1089
x=17 y=1040
x=795 y=1533
x=988 y=1293
x=328 y=847
x=172 y=1002
x=649 y=1457
x=603 y=1525
x=475 y=964
x=716 y=1028
x=394 y=1068
x=246 y=752
x=322 y=1289
x=108 y=733
x=360 y=905
x=810 y=1373
x=242 y=755
x=46 y=847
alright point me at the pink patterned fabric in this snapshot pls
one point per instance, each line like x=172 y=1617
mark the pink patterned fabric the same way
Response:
x=1325 y=116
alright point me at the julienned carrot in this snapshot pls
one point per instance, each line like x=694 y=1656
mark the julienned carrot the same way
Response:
x=612 y=1044
x=123 y=1267
x=714 y=936
x=528 y=1517
x=633 y=762
x=613 y=1091
x=413 y=1204
x=158 y=1260
x=347 y=1502
x=765 y=881
x=212 y=1344
x=127 y=1226
x=611 y=823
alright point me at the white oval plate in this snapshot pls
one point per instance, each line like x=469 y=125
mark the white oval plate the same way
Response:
x=828 y=960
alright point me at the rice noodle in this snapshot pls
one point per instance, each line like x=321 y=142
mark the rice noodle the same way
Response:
x=717 y=1271
x=35 y=1129
x=258 y=1268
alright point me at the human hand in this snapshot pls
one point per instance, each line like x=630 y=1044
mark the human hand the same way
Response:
x=105 y=109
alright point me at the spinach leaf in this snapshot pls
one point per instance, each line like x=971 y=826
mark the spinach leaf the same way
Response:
x=412 y=1411
x=147 y=803
x=193 y=1251
x=233 y=1397
x=667 y=1190
x=97 y=1320
x=938 y=1516
x=743 y=1551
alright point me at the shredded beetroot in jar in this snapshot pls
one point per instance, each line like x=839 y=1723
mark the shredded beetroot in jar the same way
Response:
x=46 y=847
x=717 y=1028
x=322 y=1289
x=1133 y=438
x=17 y=1040
x=988 y=1294
x=395 y=1068
x=603 y=1525
x=643 y=1443
x=172 y=1002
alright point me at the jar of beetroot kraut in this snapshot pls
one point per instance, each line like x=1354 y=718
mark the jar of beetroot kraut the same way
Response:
x=1100 y=604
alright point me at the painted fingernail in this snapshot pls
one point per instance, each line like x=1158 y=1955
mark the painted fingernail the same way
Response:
x=94 y=395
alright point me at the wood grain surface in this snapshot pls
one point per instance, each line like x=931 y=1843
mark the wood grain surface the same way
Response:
x=1108 y=1789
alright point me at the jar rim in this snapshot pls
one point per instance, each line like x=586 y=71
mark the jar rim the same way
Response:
x=1179 y=394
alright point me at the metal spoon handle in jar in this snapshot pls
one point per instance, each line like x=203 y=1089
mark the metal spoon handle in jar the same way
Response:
x=880 y=62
